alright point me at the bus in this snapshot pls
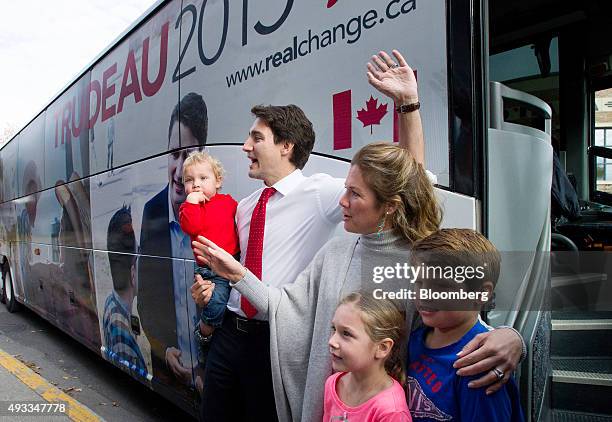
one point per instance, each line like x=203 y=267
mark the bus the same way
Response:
x=505 y=88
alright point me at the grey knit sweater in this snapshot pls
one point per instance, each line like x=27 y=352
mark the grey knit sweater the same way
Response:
x=300 y=315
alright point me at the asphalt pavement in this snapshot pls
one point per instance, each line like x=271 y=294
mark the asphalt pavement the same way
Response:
x=61 y=368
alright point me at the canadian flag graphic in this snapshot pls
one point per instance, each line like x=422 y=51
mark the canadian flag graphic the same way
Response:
x=372 y=114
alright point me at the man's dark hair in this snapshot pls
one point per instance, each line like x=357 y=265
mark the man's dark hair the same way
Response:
x=192 y=112
x=289 y=123
x=120 y=238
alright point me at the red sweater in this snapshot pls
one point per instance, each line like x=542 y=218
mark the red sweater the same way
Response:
x=215 y=220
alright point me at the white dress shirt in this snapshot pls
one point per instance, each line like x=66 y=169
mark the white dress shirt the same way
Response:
x=300 y=218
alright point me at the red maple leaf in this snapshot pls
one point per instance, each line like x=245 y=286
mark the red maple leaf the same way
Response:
x=372 y=114
x=330 y=3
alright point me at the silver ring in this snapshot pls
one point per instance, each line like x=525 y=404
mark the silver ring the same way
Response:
x=394 y=65
x=498 y=373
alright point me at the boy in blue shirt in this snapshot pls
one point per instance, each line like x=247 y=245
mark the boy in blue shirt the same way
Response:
x=458 y=272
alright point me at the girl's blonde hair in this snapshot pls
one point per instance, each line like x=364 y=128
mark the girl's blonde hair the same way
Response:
x=382 y=319
x=200 y=157
x=397 y=179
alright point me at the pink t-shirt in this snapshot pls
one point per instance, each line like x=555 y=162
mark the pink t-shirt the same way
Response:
x=387 y=406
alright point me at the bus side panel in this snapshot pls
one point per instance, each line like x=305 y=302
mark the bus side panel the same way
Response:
x=76 y=300
x=54 y=250
x=314 y=56
x=9 y=169
x=133 y=203
x=8 y=227
x=123 y=342
x=31 y=159
x=8 y=190
x=34 y=270
x=139 y=93
x=67 y=134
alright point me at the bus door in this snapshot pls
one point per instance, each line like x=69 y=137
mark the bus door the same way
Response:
x=519 y=170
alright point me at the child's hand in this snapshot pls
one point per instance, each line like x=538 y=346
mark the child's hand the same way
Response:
x=201 y=291
x=196 y=198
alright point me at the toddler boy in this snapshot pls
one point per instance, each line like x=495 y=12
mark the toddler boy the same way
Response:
x=208 y=213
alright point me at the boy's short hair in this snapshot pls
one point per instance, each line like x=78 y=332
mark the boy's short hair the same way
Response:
x=456 y=248
x=199 y=157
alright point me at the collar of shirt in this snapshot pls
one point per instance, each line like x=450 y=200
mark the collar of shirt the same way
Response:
x=289 y=182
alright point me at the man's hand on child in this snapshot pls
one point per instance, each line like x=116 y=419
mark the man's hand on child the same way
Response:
x=498 y=349
x=196 y=198
x=221 y=261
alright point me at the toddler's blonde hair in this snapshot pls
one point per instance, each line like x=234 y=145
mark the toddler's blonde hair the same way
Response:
x=200 y=157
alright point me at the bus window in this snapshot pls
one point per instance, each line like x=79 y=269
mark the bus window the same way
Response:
x=601 y=155
x=66 y=141
x=534 y=69
x=30 y=162
x=9 y=170
x=524 y=62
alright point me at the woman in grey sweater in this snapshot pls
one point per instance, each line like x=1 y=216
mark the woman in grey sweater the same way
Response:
x=389 y=203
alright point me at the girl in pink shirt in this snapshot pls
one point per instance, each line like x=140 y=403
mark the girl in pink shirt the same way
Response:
x=365 y=348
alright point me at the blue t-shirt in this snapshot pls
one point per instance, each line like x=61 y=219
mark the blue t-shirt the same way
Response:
x=436 y=393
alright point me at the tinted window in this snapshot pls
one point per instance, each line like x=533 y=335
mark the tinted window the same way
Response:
x=67 y=135
x=30 y=163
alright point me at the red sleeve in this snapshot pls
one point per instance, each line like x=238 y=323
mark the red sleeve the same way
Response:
x=191 y=218
x=229 y=204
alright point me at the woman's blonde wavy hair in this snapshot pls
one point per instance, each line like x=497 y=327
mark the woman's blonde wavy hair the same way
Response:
x=397 y=179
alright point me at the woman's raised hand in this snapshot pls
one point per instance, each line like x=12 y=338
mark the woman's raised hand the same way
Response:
x=219 y=260
x=394 y=79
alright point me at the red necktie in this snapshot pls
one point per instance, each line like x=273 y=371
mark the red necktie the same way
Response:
x=255 y=245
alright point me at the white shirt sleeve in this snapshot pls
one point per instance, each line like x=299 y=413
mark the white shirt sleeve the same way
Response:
x=330 y=190
x=432 y=177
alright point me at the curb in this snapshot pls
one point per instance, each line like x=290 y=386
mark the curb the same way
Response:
x=76 y=411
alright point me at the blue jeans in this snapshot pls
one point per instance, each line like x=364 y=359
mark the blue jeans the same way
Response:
x=213 y=313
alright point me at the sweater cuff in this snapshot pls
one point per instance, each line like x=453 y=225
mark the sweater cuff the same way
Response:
x=254 y=290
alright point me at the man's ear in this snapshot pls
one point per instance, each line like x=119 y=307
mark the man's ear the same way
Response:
x=383 y=348
x=287 y=148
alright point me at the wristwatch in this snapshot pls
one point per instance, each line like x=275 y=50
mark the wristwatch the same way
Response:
x=201 y=339
x=408 y=108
